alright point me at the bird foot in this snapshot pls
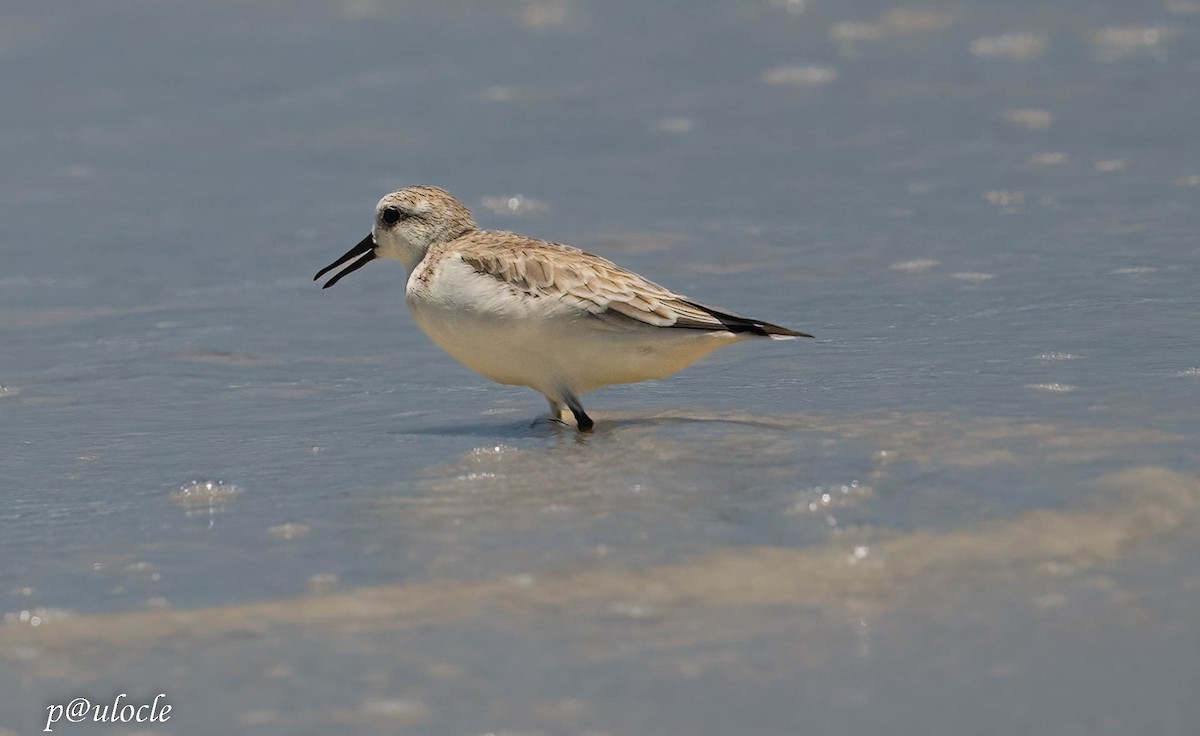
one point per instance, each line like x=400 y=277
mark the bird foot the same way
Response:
x=583 y=421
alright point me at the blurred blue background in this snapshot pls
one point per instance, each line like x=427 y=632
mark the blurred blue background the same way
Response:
x=985 y=212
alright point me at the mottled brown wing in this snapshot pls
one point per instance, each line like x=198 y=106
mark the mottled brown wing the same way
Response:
x=594 y=284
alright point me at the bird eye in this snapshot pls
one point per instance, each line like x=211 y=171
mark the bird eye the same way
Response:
x=390 y=215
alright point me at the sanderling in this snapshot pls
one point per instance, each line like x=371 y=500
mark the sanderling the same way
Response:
x=528 y=312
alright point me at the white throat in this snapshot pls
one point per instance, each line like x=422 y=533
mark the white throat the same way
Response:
x=400 y=249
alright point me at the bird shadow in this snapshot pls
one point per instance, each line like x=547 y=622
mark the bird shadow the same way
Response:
x=605 y=425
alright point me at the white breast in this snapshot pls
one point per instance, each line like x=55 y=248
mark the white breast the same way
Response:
x=547 y=344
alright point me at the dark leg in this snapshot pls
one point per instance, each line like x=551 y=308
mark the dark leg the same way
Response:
x=582 y=420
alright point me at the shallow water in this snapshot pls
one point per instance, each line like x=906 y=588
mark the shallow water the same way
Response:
x=970 y=504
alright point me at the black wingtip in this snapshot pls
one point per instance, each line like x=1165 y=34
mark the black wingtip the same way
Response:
x=783 y=331
x=737 y=324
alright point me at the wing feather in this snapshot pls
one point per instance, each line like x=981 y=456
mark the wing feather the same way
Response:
x=594 y=284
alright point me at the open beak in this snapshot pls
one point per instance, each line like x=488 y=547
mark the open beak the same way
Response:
x=364 y=252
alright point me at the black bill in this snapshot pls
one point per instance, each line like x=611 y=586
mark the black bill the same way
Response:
x=364 y=252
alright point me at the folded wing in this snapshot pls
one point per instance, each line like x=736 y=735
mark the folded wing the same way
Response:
x=598 y=286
